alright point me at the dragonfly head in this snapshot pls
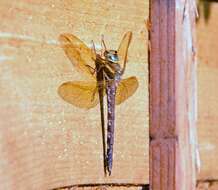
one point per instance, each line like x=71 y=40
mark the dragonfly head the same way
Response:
x=111 y=55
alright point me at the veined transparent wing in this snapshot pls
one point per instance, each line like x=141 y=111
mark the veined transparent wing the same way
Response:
x=123 y=48
x=85 y=94
x=79 y=93
x=126 y=88
x=81 y=56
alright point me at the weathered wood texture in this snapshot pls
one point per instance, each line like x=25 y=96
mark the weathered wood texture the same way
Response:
x=208 y=94
x=45 y=142
x=207 y=185
x=172 y=95
x=106 y=187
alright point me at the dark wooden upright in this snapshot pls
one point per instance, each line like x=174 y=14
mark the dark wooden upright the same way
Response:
x=172 y=95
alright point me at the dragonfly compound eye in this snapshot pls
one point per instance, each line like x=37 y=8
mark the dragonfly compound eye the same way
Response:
x=114 y=58
x=111 y=55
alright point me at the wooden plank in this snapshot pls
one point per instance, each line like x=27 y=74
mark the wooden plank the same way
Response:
x=207 y=94
x=201 y=185
x=172 y=95
x=107 y=187
x=46 y=143
x=207 y=185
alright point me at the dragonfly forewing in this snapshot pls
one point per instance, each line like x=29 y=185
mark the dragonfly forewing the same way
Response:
x=81 y=56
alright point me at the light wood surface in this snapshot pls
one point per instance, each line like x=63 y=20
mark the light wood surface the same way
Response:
x=45 y=142
x=208 y=94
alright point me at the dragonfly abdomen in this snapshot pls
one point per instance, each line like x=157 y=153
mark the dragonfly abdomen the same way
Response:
x=111 y=91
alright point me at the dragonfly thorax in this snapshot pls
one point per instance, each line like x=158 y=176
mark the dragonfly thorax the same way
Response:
x=111 y=55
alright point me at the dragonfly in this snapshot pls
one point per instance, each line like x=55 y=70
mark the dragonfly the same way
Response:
x=103 y=71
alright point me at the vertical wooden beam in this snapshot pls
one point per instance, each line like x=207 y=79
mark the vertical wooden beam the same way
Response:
x=172 y=95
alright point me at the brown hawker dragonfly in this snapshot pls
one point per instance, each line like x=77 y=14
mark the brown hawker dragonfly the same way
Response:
x=103 y=71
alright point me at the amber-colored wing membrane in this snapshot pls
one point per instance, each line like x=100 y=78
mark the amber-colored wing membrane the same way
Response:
x=79 y=93
x=123 y=48
x=81 y=56
x=85 y=94
x=125 y=89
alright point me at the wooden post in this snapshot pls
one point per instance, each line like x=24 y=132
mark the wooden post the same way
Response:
x=172 y=95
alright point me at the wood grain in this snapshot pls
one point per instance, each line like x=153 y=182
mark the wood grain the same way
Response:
x=172 y=95
x=46 y=143
x=107 y=187
x=208 y=94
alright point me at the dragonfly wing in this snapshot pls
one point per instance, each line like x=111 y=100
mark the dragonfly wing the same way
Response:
x=123 y=48
x=79 y=93
x=125 y=89
x=81 y=56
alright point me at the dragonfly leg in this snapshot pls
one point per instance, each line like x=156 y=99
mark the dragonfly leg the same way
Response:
x=103 y=42
x=103 y=45
x=93 y=47
x=108 y=79
x=92 y=70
